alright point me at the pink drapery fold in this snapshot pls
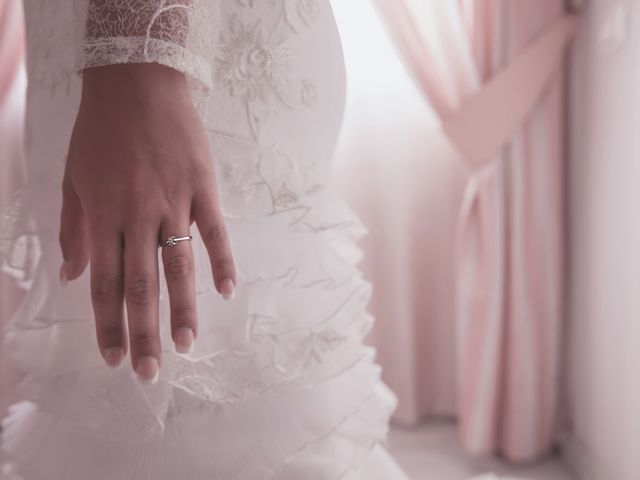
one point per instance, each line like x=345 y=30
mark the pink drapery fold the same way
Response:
x=509 y=241
x=12 y=174
x=508 y=97
x=12 y=89
x=432 y=39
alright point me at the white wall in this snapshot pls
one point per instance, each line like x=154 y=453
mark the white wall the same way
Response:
x=604 y=228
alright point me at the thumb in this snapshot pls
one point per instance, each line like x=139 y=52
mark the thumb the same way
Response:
x=74 y=238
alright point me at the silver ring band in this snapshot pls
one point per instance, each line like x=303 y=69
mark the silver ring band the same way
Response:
x=172 y=240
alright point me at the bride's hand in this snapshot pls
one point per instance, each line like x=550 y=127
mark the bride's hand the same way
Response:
x=139 y=169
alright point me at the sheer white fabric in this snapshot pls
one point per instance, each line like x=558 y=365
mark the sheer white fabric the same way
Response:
x=279 y=385
x=176 y=33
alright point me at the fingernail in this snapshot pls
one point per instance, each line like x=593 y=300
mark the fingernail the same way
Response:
x=183 y=338
x=228 y=289
x=148 y=370
x=64 y=273
x=113 y=356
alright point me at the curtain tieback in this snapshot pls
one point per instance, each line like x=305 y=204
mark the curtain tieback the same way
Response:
x=487 y=120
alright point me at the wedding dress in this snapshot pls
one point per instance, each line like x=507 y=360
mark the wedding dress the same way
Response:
x=279 y=385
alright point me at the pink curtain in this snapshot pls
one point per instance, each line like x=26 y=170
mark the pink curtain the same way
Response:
x=12 y=92
x=12 y=104
x=492 y=71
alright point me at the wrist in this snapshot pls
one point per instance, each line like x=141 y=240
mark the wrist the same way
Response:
x=132 y=82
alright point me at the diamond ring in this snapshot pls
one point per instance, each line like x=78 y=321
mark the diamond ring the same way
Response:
x=172 y=240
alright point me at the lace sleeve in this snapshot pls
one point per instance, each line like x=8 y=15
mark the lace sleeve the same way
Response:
x=180 y=34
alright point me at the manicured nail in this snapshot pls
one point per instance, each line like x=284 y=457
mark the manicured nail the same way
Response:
x=228 y=289
x=64 y=273
x=113 y=356
x=148 y=370
x=183 y=338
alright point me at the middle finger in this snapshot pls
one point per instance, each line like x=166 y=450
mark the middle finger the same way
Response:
x=141 y=297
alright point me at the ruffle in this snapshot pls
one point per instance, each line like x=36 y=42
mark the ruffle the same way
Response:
x=275 y=371
x=249 y=441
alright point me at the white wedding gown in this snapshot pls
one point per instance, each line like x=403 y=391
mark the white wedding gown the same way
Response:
x=280 y=385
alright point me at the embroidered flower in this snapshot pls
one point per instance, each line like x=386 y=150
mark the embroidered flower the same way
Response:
x=281 y=175
x=285 y=197
x=252 y=66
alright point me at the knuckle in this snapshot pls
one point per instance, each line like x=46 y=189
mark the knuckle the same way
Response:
x=139 y=218
x=183 y=314
x=178 y=267
x=109 y=335
x=175 y=196
x=200 y=175
x=140 y=289
x=215 y=233
x=144 y=341
x=105 y=290
x=100 y=225
x=97 y=225
x=223 y=265
x=137 y=187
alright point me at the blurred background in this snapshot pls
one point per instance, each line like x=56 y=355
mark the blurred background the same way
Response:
x=491 y=147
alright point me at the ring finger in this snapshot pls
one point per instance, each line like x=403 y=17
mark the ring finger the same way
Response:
x=179 y=273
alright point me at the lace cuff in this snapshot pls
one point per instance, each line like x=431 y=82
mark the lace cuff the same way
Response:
x=177 y=33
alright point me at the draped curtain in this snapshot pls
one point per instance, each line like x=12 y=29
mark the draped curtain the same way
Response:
x=491 y=70
x=12 y=104
x=12 y=101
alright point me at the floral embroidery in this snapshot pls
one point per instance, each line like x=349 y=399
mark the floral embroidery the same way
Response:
x=285 y=198
x=251 y=65
x=254 y=64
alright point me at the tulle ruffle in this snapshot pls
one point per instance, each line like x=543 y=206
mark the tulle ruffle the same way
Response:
x=256 y=439
x=274 y=372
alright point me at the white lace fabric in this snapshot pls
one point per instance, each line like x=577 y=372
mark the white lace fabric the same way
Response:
x=283 y=364
x=176 y=33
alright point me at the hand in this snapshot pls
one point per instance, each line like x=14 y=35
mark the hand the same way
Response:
x=139 y=169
